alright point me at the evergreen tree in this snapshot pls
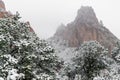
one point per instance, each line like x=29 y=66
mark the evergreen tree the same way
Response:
x=90 y=60
x=22 y=54
x=116 y=52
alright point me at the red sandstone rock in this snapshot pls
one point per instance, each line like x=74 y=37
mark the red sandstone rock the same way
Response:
x=2 y=6
x=4 y=13
x=86 y=27
x=31 y=29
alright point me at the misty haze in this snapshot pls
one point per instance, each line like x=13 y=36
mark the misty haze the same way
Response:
x=59 y=40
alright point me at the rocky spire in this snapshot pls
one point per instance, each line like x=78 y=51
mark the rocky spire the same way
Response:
x=86 y=27
x=86 y=14
x=2 y=6
x=3 y=12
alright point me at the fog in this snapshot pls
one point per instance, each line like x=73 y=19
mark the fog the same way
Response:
x=46 y=15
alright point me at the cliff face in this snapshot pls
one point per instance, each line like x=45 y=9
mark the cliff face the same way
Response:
x=3 y=12
x=2 y=6
x=86 y=27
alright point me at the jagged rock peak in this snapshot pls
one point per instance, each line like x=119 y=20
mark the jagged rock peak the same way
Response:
x=86 y=14
x=86 y=27
x=3 y=12
x=2 y=6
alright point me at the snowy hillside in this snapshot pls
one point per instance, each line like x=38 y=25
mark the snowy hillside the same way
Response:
x=68 y=54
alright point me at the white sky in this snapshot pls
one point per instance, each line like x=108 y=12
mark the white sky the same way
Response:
x=46 y=15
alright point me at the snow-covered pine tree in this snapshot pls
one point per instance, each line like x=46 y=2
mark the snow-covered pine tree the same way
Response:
x=116 y=52
x=90 y=60
x=23 y=56
x=115 y=67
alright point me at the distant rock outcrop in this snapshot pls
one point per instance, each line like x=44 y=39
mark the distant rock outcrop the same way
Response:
x=2 y=6
x=3 y=12
x=86 y=27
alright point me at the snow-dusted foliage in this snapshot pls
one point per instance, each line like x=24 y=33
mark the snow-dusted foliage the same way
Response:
x=65 y=54
x=62 y=50
x=116 y=53
x=90 y=60
x=23 y=56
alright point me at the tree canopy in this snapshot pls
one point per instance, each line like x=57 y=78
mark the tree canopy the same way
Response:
x=23 y=53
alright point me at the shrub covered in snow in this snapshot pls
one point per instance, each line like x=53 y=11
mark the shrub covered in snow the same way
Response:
x=22 y=54
x=90 y=60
